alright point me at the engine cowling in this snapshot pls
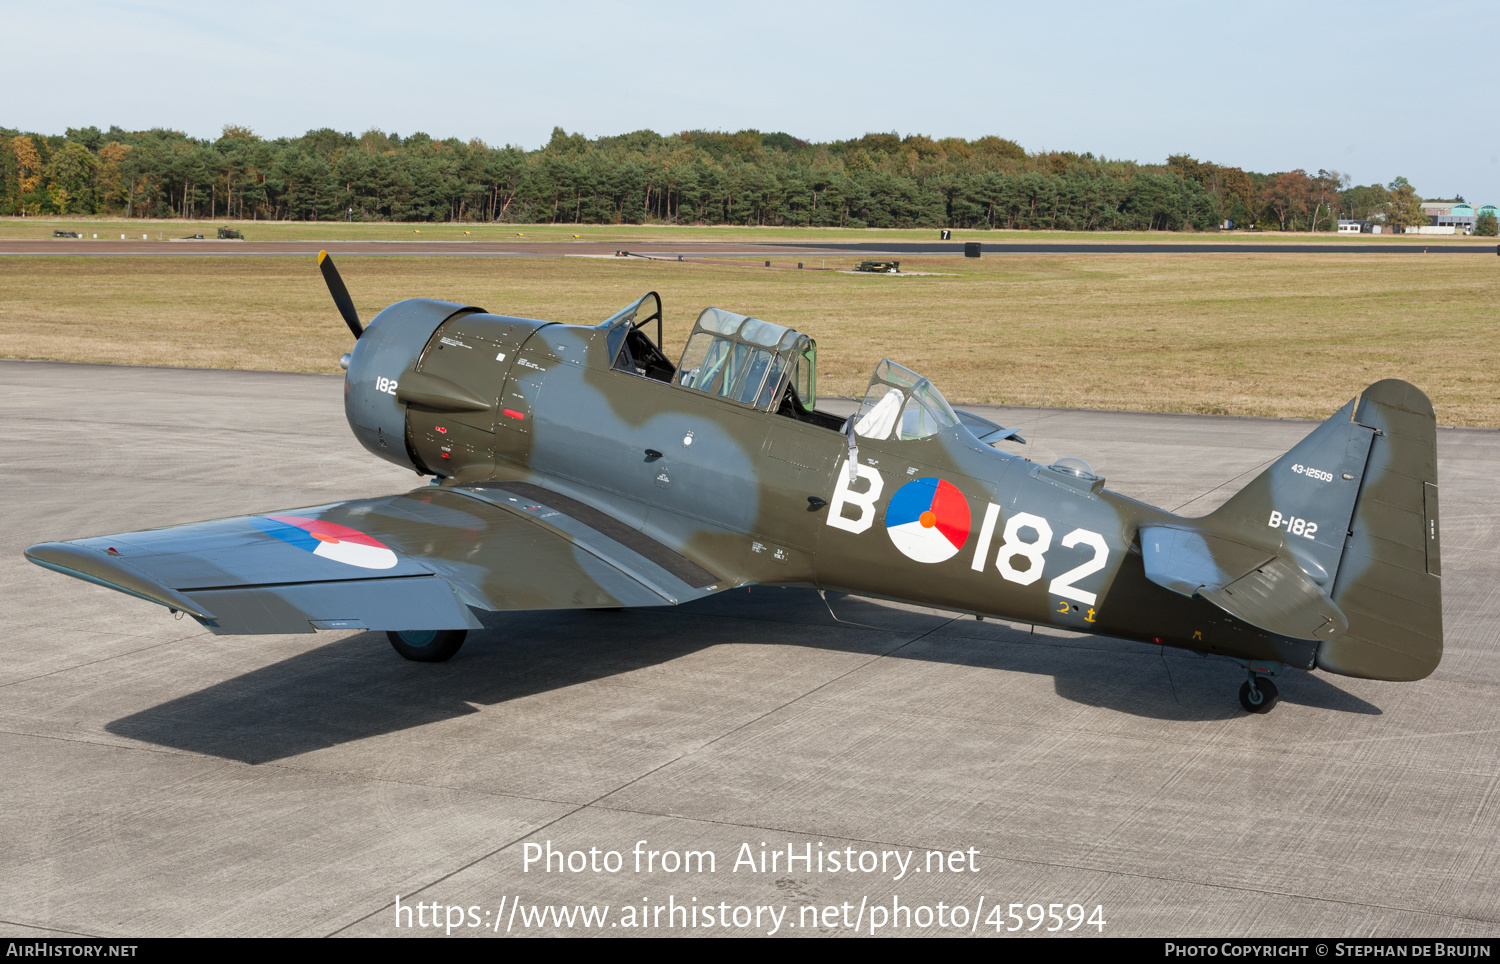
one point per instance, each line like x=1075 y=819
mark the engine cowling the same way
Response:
x=391 y=344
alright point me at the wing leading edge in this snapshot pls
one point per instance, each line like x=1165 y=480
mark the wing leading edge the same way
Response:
x=415 y=561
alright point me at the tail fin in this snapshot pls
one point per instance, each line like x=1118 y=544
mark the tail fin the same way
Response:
x=1390 y=581
x=1355 y=504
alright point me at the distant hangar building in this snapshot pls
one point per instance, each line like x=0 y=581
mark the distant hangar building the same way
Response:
x=1459 y=216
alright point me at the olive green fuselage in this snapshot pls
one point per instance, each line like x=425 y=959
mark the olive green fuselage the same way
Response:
x=758 y=497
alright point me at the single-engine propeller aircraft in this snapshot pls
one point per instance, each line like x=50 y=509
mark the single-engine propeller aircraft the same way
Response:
x=578 y=467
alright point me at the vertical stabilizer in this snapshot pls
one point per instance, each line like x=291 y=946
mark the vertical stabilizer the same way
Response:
x=1306 y=499
x=1389 y=581
x=1355 y=505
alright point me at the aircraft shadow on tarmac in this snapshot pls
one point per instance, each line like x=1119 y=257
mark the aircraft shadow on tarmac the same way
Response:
x=357 y=687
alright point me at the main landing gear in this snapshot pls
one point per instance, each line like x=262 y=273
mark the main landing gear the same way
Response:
x=1258 y=694
x=428 y=645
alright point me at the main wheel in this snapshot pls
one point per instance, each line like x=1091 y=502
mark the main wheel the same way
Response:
x=1262 y=698
x=428 y=645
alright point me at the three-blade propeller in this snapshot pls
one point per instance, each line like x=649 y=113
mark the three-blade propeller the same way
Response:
x=340 y=293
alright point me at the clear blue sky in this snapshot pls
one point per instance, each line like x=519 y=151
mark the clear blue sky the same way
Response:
x=1373 y=89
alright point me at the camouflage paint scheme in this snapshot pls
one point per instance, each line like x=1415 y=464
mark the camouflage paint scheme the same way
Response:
x=572 y=468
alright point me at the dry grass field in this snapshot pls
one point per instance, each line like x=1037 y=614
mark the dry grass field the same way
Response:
x=1285 y=335
x=32 y=229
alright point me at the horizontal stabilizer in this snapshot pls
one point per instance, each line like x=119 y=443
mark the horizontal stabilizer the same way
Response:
x=985 y=430
x=1184 y=561
x=1280 y=598
x=1254 y=585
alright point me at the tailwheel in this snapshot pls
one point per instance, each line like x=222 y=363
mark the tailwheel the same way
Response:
x=1259 y=695
x=428 y=645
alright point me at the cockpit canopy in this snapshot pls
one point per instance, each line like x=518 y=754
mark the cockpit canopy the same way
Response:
x=748 y=360
x=902 y=405
x=772 y=368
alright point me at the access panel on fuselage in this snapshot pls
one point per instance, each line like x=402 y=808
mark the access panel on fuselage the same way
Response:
x=795 y=476
x=474 y=351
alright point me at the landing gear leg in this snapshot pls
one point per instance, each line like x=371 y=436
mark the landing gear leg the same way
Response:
x=428 y=645
x=1258 y=694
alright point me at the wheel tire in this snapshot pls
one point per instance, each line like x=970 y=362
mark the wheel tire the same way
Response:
x=1262 y=699
x=428 y=645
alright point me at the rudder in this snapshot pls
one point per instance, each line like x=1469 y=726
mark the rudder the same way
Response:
x=1389 y=583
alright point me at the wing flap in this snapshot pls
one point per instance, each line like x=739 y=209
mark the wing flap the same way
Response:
x=401 y=602
x=601 y=533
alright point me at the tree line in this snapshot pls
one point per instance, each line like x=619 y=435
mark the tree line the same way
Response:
x=693 y=177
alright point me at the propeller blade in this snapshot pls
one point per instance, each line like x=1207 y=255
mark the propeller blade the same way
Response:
x=340 y=294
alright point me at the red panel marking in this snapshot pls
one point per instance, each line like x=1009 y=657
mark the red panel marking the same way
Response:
x=512 y=413
x=951 y=513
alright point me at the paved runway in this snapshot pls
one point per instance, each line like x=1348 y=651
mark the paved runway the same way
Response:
x=162 y=781
x=689 y=249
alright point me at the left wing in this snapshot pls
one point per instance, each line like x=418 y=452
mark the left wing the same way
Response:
x=403 y=562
